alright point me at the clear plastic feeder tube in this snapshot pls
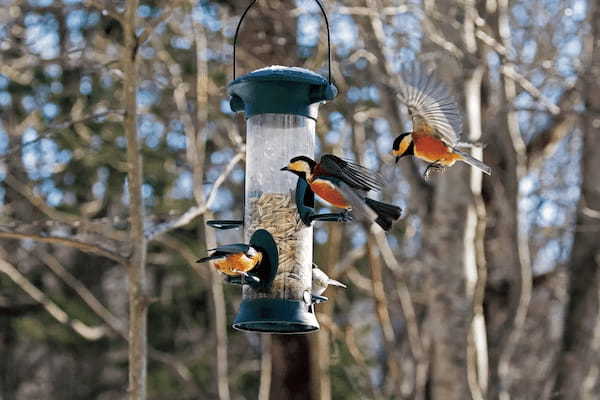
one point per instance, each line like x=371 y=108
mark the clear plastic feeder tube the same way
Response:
x=271 y=141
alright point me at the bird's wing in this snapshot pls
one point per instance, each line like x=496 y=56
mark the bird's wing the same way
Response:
x=428 y=98
x=232 y=248
x=351 y=173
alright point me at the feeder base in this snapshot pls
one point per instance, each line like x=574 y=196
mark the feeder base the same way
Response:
x=276 y=316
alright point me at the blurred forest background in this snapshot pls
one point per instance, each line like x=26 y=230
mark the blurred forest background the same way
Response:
x=492 y=289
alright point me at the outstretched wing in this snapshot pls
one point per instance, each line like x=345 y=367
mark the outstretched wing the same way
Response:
x=232 y=248
x=430 y=102
x=354 y=175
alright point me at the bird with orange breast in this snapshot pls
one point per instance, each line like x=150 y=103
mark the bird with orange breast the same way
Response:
x=437 y=123
x=234 y=259
x=344 y=184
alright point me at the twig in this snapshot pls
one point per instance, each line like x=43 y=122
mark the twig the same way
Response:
x=85 y=247
x=149 y=30
x=50 y=130
x=506 y=69
x=87 y=332
x=109 y=318
x=104 y=9
x=83 y=292
x=153 y=232
x=385 y=322
x=509 y=71
x=72 y=220
x=406 y=301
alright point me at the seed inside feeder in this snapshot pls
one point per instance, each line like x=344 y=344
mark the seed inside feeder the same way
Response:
x=277 y=213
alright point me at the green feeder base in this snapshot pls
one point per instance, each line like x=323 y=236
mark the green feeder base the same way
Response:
x=276 y=316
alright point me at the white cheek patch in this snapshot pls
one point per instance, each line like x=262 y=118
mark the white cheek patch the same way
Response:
x=299 y=166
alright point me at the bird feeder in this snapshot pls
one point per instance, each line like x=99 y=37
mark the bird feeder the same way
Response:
x=280 y=105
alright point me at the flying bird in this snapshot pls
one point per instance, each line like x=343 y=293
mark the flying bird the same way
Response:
x=320 y=281
x=234 y=259
x=344 y=184
x=437 y=123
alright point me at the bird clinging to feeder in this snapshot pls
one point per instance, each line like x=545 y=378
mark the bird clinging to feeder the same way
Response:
x=344 y=184
x=320 y=281
x=234 y=259
x=437 y=123
x=254 y=264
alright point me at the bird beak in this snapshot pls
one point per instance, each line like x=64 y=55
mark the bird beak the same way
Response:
x=284 y=169
x=397 y=159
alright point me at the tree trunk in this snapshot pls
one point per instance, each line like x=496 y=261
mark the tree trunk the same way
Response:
x=449 y=316
x=291 y=375
x=577 y=375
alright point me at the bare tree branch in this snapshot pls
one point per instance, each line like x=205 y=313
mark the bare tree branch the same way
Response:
x=83 y=292
x=153 y=232
x=50 y=130
x=119 y=327
x=76 y=221
x=105 y=9
x=87 y=332
x=474 y=252
x=86 y=247
x=406 y=303
x=138 y=298
x=545 y=143
x=166 y=13
x=525 y=268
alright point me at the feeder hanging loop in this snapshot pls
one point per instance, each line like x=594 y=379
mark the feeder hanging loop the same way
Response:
x=237 y=30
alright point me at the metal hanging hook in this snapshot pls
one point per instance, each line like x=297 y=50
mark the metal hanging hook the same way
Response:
x=237 y=29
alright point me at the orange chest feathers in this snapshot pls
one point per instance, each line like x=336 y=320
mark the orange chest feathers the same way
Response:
x=235 y=262
x=432 y=149
x=328 y=192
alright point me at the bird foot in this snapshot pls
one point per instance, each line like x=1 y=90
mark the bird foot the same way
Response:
x=316 y=299
x=433 y=169
x=345 y=216
x=247 y=278
x=251 y=279
x=233 y=280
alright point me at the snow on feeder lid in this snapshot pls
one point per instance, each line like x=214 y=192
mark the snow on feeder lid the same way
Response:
x=280 y=105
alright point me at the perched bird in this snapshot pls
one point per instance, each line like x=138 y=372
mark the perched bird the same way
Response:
x=437 y=123
x=320 y=281
x=234 y=259
x=344 y=184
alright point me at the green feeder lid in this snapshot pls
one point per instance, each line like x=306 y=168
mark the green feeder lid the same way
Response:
x=276 y=316
x=280 y=90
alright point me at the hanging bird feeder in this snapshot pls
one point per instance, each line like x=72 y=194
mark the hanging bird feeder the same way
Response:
x=280 y=105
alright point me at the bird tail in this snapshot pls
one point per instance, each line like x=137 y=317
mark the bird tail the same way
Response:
x=473 y=161
x=386 y=213
x=336 y=283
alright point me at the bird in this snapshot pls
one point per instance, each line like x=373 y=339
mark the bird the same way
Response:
x=344 y=184
x=320 y=281
x=437 y=123
x=234 y=259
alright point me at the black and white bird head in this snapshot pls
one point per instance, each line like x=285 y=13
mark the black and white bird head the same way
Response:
x=301 y=166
